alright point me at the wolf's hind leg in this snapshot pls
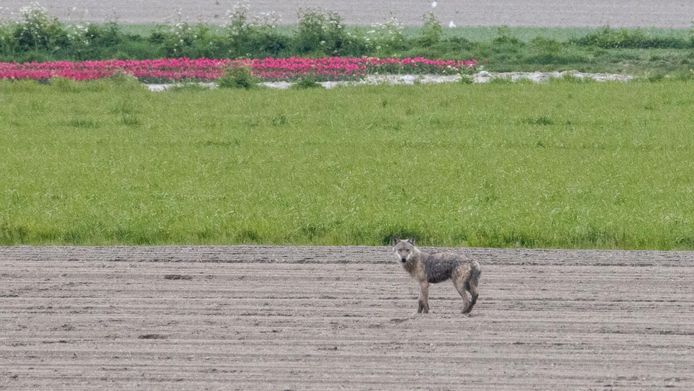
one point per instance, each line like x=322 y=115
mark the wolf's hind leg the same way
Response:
x=460 y=283
x=472 y=283
x=471 y=286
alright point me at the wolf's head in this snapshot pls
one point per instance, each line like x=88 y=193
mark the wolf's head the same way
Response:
x=403 y=249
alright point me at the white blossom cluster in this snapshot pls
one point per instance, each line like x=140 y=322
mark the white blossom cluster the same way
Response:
x=388 y=33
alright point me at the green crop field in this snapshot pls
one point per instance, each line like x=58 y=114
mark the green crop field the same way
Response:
x=564 y=164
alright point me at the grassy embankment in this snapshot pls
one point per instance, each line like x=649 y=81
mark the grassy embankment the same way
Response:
x=564 y=164
x=654 y=53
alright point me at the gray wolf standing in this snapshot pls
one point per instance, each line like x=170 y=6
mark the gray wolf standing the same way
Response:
x=437 y=267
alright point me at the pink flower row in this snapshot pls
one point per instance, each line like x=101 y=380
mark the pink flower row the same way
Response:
x=172 y=69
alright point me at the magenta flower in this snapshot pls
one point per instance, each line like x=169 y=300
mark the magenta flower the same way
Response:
x=179 y=69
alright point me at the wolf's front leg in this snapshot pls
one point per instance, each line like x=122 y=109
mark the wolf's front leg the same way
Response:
x=423 y=297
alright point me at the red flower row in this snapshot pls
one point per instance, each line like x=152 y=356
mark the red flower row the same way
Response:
x=173 y=69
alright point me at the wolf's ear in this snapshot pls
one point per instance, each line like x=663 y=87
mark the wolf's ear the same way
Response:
x=411 y=241
x=394 y=240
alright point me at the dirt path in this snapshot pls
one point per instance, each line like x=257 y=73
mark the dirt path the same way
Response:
x=302 y=318
x=548 y=13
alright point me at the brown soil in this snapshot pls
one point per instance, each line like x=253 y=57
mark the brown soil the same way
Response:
x=301 y=318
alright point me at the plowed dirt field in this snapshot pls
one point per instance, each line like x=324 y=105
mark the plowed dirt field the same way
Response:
x=325 y=318
x=545 y=13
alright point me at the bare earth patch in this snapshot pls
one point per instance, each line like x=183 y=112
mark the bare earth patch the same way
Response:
x=478 y=78
x=544 y=13
x=264 y=317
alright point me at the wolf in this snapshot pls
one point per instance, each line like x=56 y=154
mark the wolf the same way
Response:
x=432 y=268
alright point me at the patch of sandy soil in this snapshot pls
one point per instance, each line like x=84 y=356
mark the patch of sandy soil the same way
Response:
x=547 y=13
x=327 y=318
x=478 y=78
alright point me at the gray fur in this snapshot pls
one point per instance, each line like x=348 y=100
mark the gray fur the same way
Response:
x=433 y=268
x=439 y=267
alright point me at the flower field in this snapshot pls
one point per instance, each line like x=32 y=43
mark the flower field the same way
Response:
x=176 y=69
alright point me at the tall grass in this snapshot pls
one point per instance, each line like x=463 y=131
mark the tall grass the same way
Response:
x=564 y=164
x=39 y=37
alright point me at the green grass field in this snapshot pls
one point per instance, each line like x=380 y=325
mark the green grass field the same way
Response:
x=564 y=164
